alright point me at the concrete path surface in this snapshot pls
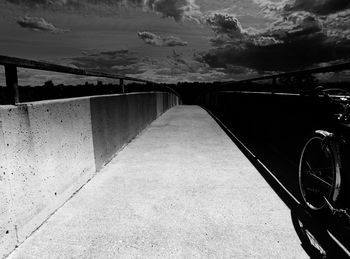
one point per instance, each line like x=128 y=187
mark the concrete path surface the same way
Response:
x=181 y=189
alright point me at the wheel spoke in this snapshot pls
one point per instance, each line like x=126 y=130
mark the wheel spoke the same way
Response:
x=313 y=174
x=308 y=165
x=316 y=175
x=321 y=180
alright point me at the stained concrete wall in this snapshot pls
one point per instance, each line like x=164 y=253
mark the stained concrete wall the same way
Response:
x=7 y=229
x=50 y=149
x=49 y=155
x=117 y=119
x=159 y=97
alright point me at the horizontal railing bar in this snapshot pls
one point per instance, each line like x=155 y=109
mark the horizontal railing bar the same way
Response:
x=262 y=93
x=39 y=65
x=284 y=94
x=326 y=69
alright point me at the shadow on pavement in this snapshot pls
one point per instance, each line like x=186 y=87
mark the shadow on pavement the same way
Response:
x=314 y=237
x=280 y=172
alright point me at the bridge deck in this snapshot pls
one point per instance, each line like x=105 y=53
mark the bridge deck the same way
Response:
x=180 y=189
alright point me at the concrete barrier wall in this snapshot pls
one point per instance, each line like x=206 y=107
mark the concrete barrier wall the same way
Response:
x=49 y=154
x=117 y=119
x=7 y=228
x=50 y=149
x=159 y=104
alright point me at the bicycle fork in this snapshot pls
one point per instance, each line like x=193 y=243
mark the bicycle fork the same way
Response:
x=341 y=214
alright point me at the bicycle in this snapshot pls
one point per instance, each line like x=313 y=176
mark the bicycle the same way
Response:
x=324 y=158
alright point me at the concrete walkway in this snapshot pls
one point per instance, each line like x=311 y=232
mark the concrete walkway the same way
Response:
x=181 y=189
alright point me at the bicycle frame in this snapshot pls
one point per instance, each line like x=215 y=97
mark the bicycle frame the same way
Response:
x=335 y=133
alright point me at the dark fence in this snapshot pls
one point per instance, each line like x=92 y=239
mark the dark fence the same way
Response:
x=273 y=115
x=11 y=64
x=275 y=121
x=296 y=74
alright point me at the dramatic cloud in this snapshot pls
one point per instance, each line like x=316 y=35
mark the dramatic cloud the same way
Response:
x=153 y=39
x=337 y=25
x=171 y=69
x=105 y=60
x=177 y=9
x=285 y=7
x=50 y=4
x=322 y=7
x=178 y=68
x=222 y=23
x=228 y=30
x=287 y=35
x=293 y=40
x=38 y=24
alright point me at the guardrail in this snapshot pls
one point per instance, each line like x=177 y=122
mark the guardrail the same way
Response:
x=11 y=64
x=296 y=74
x=293 y=85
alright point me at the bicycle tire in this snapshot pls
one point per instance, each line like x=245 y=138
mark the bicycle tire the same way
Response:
x=320 y=171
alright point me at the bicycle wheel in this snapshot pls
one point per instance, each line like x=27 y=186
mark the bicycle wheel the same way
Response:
x=319 y=171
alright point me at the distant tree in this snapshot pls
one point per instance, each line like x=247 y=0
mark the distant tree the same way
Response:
x=49 y=83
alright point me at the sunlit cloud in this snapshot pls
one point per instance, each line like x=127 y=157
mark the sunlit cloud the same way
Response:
x=271 y=9
x=153 y=39
x=322 y=7
x=179 y=10
x=222 y=23
x=176 y=67
x=228 y=30
x=104 y=60
x=295 y=39
x=38 y=24
x=291 y=34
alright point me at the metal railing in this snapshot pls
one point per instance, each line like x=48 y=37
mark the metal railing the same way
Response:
x=295 y=74
x=240 y=86
x=11 y=64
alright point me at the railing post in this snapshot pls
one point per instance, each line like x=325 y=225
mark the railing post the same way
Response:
x=12 y=83
x=121 y=83
x=274 y=81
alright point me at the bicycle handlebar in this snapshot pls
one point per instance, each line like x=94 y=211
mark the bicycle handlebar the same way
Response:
x=339 y=97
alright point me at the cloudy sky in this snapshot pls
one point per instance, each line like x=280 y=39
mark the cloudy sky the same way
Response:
x=177 y=40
